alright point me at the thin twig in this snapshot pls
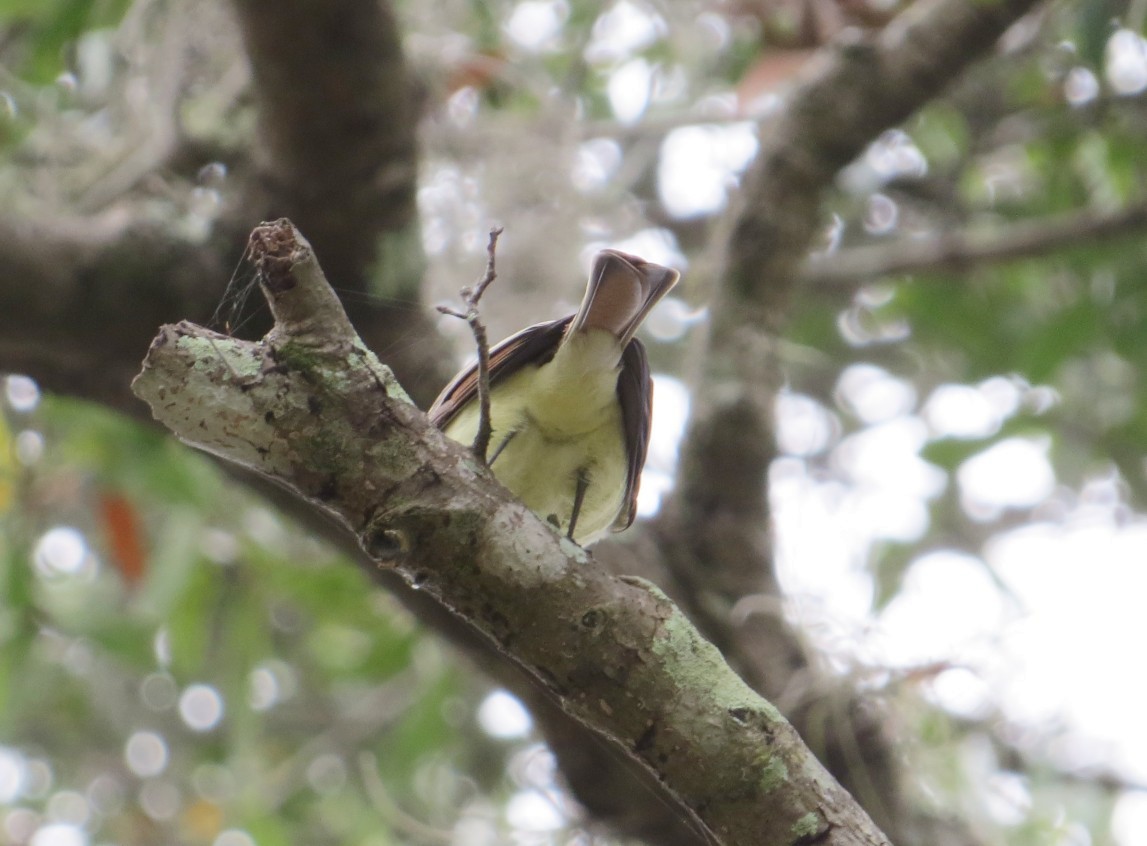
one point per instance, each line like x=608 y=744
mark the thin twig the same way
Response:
x=1032 y=756
x=389 y=810
x=954 y=251
x=471 y=297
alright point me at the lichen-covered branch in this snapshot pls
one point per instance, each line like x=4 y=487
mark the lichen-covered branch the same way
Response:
x=311 y=408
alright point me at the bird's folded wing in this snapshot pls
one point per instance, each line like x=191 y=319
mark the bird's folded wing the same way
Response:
x=534 y=345
x=635 y=394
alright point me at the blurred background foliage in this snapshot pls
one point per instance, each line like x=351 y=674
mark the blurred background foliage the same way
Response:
x=179 y=664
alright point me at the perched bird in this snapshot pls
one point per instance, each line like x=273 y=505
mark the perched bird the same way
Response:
x=570 y=403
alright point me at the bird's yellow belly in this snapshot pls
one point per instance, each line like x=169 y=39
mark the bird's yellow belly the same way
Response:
x=541 y=464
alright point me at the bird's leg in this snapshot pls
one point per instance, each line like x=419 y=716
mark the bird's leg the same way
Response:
x=579 y=497
x=501 y=446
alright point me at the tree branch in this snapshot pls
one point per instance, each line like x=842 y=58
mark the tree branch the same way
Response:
x=78 y=297
x=713 y=534
x=311 y=408
x=845 y=101
x=472 y=296
x=956 y=251
x=337 y=149
x=338 y=152
x=337 y=124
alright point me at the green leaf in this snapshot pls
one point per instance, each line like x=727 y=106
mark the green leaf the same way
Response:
x=47 y=27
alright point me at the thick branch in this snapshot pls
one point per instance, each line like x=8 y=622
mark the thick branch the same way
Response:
x=956 y=251
x=846 y=100
x=714 y=532
x=78 y=297
x=311 y=408
x=337 y=126
x=337 y=152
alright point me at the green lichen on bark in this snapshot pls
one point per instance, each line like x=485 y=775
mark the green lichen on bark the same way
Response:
x=298 y=357
x=325 y=453
x=700 y=665
x=807 y=827
x=773 y=775
x=210 y=354
x=384 y=374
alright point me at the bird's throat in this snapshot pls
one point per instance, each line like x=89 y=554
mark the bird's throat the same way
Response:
x=570 y=394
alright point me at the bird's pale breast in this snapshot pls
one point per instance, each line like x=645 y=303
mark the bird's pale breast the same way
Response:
x=565 y=420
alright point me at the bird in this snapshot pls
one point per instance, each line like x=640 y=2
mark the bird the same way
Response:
x=571 y=403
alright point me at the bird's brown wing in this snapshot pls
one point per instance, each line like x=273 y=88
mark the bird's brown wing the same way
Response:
x=635 y=394
x=533 y=345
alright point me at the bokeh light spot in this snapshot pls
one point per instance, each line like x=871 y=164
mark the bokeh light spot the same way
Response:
x=502 y=715
x=12 y=768
x=537 y=24
x=1080 y=86
x=699 y=165
x=68 y=806
x=160 y=800
x=804 y=426
x=22 y=393
x=531 y=810
x=146 y=754
x=1126 y=62
x=60 y=551
x=158 y=691
x=1014 y=473
x=629 y=89
x=201 y=707
x=59 y=834
x=234 y=837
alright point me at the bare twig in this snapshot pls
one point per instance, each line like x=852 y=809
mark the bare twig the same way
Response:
x=1034 y=756
x=377 y=708
x=960 y=250
x=471 y=297
x=389 y=809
